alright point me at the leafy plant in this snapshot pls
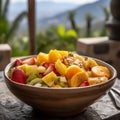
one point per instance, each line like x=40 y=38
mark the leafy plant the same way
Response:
x=7 y=29
x=56 y=38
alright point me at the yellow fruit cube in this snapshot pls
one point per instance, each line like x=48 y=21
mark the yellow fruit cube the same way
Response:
x=50 y=78
x=60 y=67
x=63 y=53
x=30 y=69
x=41 y=58
x=53 y=56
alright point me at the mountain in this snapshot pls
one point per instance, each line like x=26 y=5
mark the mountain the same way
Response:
x=44 y=9
x=95 y=9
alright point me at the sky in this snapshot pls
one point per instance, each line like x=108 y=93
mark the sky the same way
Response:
x=68 y=1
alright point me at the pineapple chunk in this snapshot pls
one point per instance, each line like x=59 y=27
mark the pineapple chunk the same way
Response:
x=60 y=67
x=50 y=78
x=22 y=67
x=30 y=69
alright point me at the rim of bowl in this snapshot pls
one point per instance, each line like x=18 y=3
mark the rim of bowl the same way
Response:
x=101 y=62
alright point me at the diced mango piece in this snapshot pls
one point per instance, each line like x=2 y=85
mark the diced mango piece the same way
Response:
x=71 y=71
x=63 y=53
x=78 y=79
x=100 y=71
x=49 y=79
x=60 y=67
x=41 y=58
x=54 y=55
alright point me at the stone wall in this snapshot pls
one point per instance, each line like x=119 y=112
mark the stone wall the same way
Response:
x=101 y=48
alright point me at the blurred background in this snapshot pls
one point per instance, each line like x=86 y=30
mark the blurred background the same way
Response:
x=59 y=23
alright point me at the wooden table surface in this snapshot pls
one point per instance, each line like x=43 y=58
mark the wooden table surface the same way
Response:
x=13 y=109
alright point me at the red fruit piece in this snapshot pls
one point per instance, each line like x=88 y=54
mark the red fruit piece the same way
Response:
x=17 y=63
x=49 y=69
x=85 y=83
x=46 y=65
x=29 y=61
x=19 y=76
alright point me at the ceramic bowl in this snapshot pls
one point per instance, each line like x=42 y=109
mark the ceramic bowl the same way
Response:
x=60 y=102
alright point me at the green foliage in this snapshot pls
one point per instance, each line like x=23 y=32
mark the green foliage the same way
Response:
x=7 y=29
x=52 y=38
x=19 y=46
x=56 y=38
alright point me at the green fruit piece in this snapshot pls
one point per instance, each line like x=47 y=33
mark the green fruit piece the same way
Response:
x=61 y=81
x=31 y=77
x=34 y=81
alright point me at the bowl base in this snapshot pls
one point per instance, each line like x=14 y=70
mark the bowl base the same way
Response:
x=37 y=112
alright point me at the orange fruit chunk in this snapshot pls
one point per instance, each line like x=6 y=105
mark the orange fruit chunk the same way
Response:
x=54 y=55
x=72 y=70
x=60 y=67
x=78 y=79
x=41 y=58
x=100 y=71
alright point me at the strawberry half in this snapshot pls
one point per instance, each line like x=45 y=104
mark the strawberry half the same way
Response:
x=19 y=76
x=17 y=63
x=85 y=83
x=46 y=65
x=50 y=69
x=29 y=61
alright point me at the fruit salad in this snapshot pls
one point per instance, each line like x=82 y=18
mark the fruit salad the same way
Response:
x=58 y=69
